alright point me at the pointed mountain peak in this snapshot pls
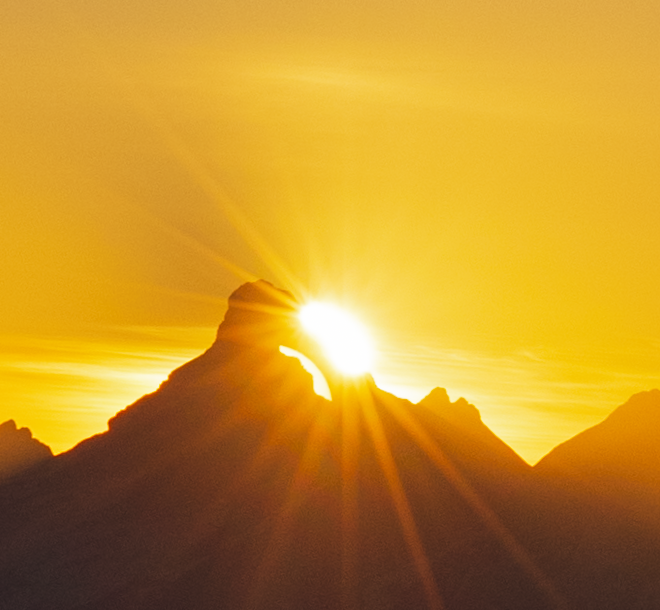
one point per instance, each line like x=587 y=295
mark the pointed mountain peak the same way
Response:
x=460 y=412
x=437 y=396
x=258 y=313
x=7 y=427
x=18 y=450
x=9 y=431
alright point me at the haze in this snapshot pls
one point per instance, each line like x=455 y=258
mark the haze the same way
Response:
x=477 y=182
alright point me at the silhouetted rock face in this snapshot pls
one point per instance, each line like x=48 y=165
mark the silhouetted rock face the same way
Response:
x=611 y=472
x=460 y=413
x=258 y=313
x=235 y=486
x=618 y=458
x=626 y=444
x=18 y=450
x=489 y=456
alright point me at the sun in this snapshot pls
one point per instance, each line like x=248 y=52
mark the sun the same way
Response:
x=342 y=337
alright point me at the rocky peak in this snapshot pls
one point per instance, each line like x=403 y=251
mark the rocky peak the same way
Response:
x=258 y=313
x=261 y=316
x=18 y=450
x=460 y=412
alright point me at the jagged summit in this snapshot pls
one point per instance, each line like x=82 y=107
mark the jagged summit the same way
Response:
x=258 y=313
x=487 y=450
x=19 y=451
x=460 y=412
x=9 y=428
x=261 y=316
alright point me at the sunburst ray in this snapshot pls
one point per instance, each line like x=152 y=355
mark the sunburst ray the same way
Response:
x=281 y=536
x=487 y=515
x=400 y=500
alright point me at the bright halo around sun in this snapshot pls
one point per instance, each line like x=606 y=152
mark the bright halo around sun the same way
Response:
x=342 y=337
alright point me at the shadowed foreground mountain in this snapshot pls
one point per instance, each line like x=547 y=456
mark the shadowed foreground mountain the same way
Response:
x=235 y=486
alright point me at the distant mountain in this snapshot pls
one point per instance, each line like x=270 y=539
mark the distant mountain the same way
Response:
x=618 y=459
x=235 y=486
x=611 y=474
x=626 y=446
x=18 y=450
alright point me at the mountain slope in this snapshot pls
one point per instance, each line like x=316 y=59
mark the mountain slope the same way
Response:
x=626 y=445
x=617 y=461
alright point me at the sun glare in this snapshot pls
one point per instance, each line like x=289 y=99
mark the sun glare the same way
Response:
x=343 y=338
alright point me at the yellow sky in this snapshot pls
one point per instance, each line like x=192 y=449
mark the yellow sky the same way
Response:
x=478 y=181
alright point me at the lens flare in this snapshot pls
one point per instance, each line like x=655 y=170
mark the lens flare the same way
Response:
x=343 y=339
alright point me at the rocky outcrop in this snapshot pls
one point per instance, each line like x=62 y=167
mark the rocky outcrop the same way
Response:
x=18 y=450
x=460 y=413
x=259 y=313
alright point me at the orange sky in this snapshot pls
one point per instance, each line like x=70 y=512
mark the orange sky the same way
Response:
x=479 y=182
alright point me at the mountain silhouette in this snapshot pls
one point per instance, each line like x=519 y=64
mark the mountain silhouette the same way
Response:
x=235 y=486
x=18 y=450
x=617 y=462
x=625 y=446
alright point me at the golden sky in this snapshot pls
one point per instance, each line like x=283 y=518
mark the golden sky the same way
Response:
x=477 y=181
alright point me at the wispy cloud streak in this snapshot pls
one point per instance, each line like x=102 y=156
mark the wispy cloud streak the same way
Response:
x=66 y=389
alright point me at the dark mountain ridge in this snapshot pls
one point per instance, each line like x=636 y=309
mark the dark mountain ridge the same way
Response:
x=615 y=463
x=19 y=451
x=626 y=444
x=235 y=486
